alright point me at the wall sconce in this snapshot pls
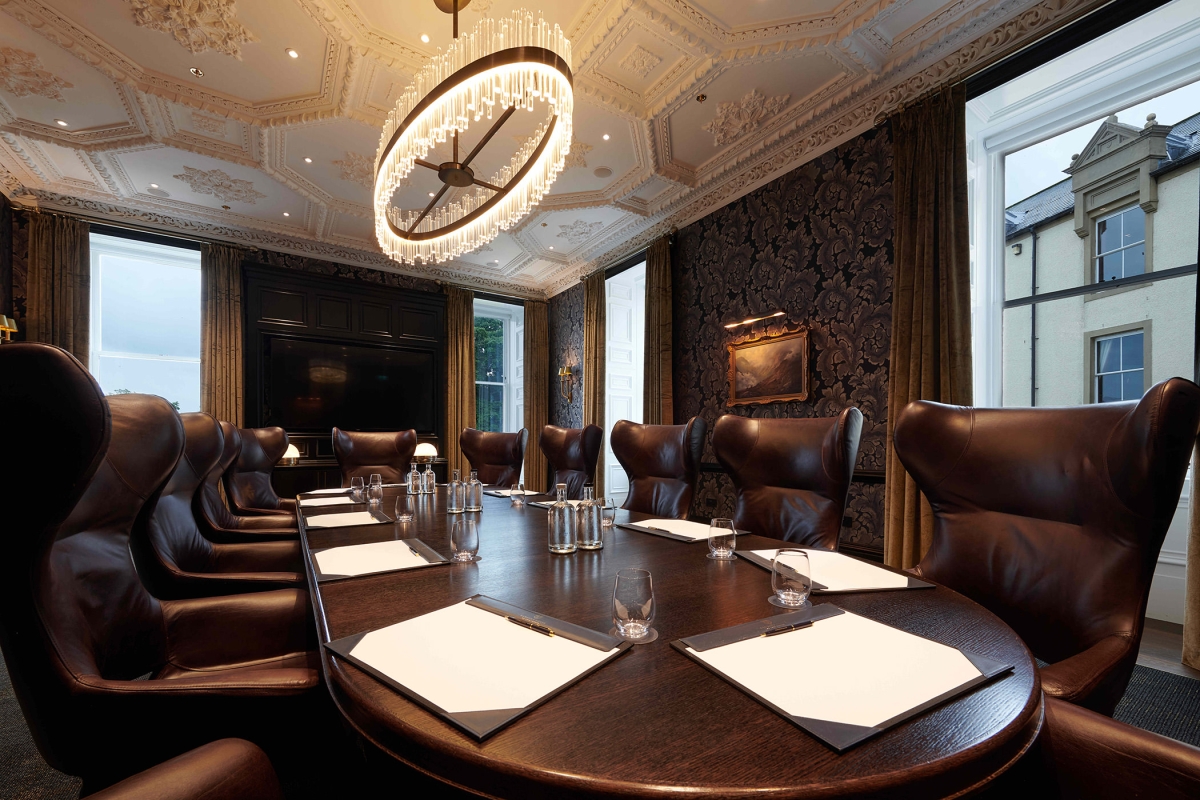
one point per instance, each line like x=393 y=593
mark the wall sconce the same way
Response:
x=425 y=453
x=564 y=383
x=752 y=320
x=8 y=327
x=290 y=456
x=1016 y=249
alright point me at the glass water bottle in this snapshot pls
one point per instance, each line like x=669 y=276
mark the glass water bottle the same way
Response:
x=474 y=493
x=428 y=480
x=414 y=481
x=562 y=524
x=587 y=521
x=456 y=494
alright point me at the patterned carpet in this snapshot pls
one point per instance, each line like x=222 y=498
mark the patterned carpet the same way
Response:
x=1155 y=701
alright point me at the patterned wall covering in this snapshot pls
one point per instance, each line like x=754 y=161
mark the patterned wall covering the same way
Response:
x=566 y=349
x=817 y=243
x=20 y=271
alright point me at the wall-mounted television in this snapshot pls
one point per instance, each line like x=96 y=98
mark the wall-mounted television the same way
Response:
x=312 y=386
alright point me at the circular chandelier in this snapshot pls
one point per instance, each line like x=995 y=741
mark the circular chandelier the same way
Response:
x=503 y=66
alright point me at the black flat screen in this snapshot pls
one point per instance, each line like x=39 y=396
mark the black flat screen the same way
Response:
x=314 y=386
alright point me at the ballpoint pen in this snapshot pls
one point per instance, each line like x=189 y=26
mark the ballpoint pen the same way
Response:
x=533 y=626
x=795 y=626
x=413 y=550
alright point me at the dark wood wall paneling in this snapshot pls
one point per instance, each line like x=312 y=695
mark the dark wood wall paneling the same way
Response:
x=287 y=304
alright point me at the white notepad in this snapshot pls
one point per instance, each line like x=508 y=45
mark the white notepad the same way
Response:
x=840 y=573
x=325 y=501
x=831 y=671
x=681 y=527
x=326 y=491
x=340 y=520
x=365 y=559
x=463 y=659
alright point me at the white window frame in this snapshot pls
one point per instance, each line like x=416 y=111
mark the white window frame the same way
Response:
x=1097 y=374
x=1097 y=255
x=100 y=245
x=512 y=318
x=1166 y=56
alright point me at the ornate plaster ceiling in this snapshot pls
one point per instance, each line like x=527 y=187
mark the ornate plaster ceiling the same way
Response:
x=268 y=150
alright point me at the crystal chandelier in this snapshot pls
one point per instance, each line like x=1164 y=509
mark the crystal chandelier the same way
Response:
x=503 y=66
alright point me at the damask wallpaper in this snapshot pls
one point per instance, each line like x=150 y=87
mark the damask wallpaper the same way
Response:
x=566 y=350
x=817 y=244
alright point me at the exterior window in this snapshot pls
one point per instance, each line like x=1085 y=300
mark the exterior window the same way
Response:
x=1121 y=245
x=1120 y=367
x=145 y=326
x=499 y=368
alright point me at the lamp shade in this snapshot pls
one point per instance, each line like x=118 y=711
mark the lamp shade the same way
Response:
x=291 y=452
x=426 y=450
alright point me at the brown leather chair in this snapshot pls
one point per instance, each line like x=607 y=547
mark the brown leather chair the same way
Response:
x=229 y=769
x=662 y=462
x=1087 y=756
x=1052 y=518
x=497 y=457
x=111 y=680
x=572 y=453
x=175 y=558
x=217 y=522
x=248 y=481
x=362 y=454
x=791 y=475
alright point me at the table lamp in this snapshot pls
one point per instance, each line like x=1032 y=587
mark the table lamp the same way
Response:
x=425 y=453
x=290 y=456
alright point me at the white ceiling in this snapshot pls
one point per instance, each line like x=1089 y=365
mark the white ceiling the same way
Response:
x=783 y=80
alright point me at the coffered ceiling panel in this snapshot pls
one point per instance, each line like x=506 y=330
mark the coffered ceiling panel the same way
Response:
x=783 y=80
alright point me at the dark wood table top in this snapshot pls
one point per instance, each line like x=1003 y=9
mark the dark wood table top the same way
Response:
x=653 y=723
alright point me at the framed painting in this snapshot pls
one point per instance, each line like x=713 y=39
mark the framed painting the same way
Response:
x=773 y=369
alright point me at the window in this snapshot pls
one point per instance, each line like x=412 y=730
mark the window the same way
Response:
x=145 y=319
x=1121 y=245
x=499 y=367
x=1120 y=368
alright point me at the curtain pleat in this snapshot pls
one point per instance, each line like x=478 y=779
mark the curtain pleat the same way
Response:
x=931 y=300
x=221 y=370
x=60 y=283
x=594 y=381
x=460 y=373
x=537 y=391
x=658 y=399
x=1191 y=605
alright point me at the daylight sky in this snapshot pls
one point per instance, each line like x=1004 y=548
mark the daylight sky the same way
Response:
x=1030 y=170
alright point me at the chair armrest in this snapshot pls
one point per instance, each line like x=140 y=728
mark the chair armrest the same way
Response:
x=228 y=769
x=1095 y=757
x=220 y=631
x=275 y=522
x=1074 y=679
x=258 y=557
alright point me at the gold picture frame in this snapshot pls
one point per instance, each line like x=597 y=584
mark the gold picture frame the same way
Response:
x=771 y=369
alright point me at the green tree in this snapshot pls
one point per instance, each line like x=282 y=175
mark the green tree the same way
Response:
x=489 y=368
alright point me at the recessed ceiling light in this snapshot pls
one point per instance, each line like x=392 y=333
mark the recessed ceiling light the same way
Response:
x=307 y=160
x=431 y=194
x=497 y=261
x=154 y=186
x=199 y=73
x=62 y=122
x=551 y=247
x=425 y=38
x=606 y=137
x=286 y=214
x=291 y=52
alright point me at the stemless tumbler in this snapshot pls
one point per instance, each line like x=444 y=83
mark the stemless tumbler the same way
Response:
x=404 y=507
x=722 y=540
x=517 y=494
x=464 y=538
x=633 y=606
x=790 y=578
x=375 y=494
x=356 y=489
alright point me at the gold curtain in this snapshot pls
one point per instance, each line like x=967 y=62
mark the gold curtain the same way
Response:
x=58 y=307
x=460 y=373
x=931 y=296
x=1191 y=605
x=594 y=383
x=657 y=393
x=537 y=390
x=221 y=370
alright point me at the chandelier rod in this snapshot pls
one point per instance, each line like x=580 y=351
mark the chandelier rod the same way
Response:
x=429 y=207
x=488 y=136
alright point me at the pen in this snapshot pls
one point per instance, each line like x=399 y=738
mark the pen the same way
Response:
x=413 y=550
x=785 y=628
x=533 y=626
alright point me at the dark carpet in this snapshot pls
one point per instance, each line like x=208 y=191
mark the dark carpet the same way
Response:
x=1155 y=701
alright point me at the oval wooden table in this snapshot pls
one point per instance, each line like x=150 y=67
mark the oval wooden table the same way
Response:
x=653 y=723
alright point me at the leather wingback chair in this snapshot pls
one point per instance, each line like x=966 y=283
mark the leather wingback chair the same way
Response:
x=229 y=769
x=110 y=679
x=1052 y=518
x=248 y=481
x=791 y=475
x=572 y=453
x=662 y=462
x=497 y=457
x=176 y=559
x=217 y=522
x=361 y=454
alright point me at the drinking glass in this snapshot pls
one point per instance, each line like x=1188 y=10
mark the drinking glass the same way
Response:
x=633 y=606
x=722 y=540
x=464 y=539
x=790 y=578
x=608 y=512
x=356 y=489
x=375 y=494
x=404 y=507
x=517 y=494
x=376 y=479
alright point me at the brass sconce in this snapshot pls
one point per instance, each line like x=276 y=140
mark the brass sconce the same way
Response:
x=8 y=327
x=752 y=320
x=564 y=383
